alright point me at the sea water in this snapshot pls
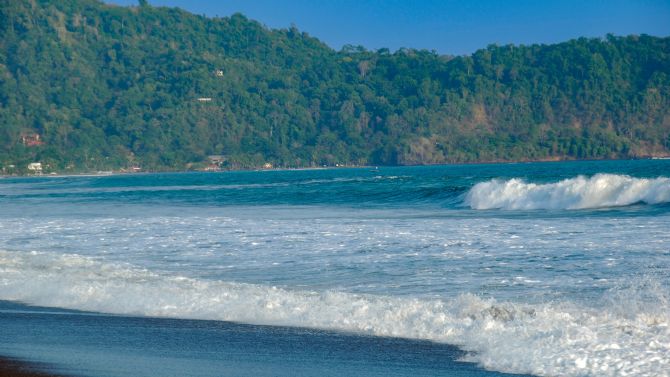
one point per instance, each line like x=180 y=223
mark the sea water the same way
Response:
x=551 y=269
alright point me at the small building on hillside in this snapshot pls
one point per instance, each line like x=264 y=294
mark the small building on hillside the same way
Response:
x=215 y=162
x=31 y=139
x=35 y=167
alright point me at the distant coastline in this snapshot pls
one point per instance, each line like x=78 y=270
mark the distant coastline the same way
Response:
x=308 y=168
x=226 y=93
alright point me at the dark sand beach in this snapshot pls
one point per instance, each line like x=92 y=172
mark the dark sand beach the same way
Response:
x=16 y=368
x=69 y=343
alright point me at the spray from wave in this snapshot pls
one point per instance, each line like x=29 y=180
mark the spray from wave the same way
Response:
x=551 y=339
x=599 y=191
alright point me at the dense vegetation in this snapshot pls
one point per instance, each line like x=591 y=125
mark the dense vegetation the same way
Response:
x=89 y=86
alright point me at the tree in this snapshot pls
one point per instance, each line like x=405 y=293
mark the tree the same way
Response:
x=110 y=87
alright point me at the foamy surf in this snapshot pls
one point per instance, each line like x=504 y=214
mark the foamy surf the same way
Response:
x=550 y=339
x=598 y=191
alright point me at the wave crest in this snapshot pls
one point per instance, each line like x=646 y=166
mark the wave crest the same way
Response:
x=550 y=339
x=598 y=191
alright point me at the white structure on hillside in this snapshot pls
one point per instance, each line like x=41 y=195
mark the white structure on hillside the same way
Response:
x=35 y=167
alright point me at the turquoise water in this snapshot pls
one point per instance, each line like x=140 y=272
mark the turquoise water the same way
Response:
x=557 y=269
x=435 y=187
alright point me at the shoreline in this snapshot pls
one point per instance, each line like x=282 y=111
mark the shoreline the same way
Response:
x=112 y=173
x=10 y=367
x=65 y=343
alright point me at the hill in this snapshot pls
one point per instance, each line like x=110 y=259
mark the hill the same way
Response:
x=90 y=86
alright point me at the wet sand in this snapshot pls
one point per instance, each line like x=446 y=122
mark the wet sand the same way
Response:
x=16 y=368
x=73 y=343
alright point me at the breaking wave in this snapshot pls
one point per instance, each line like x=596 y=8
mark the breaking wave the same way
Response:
x=550 y=339
x=598 y=191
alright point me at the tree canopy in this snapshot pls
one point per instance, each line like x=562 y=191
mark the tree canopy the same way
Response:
x=90 y=86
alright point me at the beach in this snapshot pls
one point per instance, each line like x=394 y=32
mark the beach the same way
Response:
x=73 y=343
x=546 y=269
x=15 y=368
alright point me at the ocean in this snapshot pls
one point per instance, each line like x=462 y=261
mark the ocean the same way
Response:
x=546 y=269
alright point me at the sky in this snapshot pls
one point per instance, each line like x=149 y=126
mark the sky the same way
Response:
x=446 y=26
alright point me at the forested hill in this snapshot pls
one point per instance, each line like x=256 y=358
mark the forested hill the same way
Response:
x=89 y=86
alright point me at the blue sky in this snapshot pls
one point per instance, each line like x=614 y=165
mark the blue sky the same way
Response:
x=447 y=26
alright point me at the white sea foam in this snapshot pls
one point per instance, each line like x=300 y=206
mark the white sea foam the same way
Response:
x=601 y=190
x=550 y=339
